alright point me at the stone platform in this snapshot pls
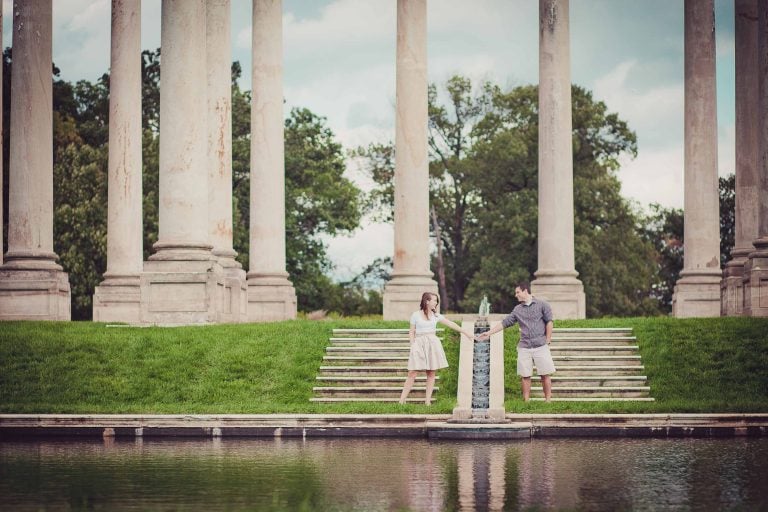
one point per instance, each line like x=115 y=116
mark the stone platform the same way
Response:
x=436 y=426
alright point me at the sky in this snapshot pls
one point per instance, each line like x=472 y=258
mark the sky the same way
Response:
x=339 y=61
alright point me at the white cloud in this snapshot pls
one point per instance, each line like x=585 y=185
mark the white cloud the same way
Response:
x=352 y=253
x=655 y=176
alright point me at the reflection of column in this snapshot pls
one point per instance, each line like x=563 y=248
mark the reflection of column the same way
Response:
x=556 y=276
x=756 y=269
x=1 y=137
x=118 y=297
x=697 y=292
x=537 y=475
x=182 y=281
x=466 y=476
x=32 y=284
x=219 y=58
x=497 y=469
x=411 y=275
x=271 y=295
x=732 y=295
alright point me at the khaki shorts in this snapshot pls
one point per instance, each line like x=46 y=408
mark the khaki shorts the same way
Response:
x=540 y=356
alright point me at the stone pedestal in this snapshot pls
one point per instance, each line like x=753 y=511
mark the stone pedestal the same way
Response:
x=270 y=298
x=118 y=299
x=697 y=295
x=563 y=292
x=27 y=294
x=235 y=299
x=182 y=287
x=463 y=409
x=755 y=280
x=403 y=293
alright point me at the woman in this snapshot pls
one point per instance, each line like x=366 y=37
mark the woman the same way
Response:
x=426 y=350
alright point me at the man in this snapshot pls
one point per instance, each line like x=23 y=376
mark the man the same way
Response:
x=535 y=319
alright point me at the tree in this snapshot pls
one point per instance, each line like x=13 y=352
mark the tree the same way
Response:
x=483 y=185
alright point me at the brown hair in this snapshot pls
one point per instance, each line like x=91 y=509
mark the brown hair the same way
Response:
x=424 y=298
x=524 y=285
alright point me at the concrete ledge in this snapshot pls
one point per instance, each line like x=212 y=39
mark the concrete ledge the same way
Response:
x=381 y=425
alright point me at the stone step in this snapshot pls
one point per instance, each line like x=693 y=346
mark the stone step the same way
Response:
x=588 y=336
x=593 y=341
x=372 y=333
x=569 y=370
x=594 y=360
x=368 y=391
x=596 y=331
x=382 y=340
x=363 y=370
x=596 y=399
x=594 y=391
x=368 y=349
x=597 y=350
x=369 y=360
x=410 y=399
x=368 y=381
x=597 y=380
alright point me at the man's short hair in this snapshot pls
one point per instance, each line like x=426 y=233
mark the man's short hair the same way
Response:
x=524 y=285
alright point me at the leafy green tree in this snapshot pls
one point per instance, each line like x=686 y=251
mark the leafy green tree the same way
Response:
x=483 y=186
x=727 y=194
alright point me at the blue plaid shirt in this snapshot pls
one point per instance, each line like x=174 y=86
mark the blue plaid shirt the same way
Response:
x=533 y=319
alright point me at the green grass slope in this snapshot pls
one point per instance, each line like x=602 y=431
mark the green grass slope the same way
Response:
x=696 y=365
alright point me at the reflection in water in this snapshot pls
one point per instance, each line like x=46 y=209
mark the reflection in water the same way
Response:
x=384 y=474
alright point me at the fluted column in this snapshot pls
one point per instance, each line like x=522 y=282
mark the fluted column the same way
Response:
x=756 y=268
x=271 y=295
x=732 y=296
x=32 y=284
x=118 y=297
x=182 y=282
x=697 y=292
x=556 y=277
x=411 y=275
x=219 y=61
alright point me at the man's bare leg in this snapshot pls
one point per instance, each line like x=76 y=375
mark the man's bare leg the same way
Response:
x=526 y=385
x=546 y=383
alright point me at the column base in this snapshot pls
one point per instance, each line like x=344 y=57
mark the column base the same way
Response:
x=235 y=297
x=271 y=298
x=179 y=289
x=118 y=299
x=697 y=294
x=755 y=281
x=731 y=288
x=562 y=291
x=402 y=295
x=34 y=294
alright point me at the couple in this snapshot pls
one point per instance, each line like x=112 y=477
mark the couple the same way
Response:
x=533 y=315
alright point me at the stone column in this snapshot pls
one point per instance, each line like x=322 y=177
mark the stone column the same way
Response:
x=756 y=268
x=270 y=294
x=556 y=278
x=219 y=61
x=182 y=282
x=32 y=284
x=731 y=290
x=118 y=297
x=411 y=275
x=697 y=292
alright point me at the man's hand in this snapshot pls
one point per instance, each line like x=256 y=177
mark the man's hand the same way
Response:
x=484 y=336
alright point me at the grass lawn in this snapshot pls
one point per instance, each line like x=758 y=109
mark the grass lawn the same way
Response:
x=693 y=365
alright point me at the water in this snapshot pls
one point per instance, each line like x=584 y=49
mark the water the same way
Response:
x=385 y=474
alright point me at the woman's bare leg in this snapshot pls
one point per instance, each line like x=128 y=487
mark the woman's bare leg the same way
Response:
x=407 y=386
x=430 y=386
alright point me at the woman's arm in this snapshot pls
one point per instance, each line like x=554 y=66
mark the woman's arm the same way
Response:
x=456 y=328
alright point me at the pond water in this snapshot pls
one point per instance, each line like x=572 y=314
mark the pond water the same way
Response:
x=384 y=474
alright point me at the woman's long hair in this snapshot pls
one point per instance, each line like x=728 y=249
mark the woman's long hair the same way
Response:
x=424 y=299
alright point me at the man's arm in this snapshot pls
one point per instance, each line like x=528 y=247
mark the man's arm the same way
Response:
x=548 y=328
x=507 y=322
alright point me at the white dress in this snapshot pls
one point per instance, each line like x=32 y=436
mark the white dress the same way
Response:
x=426 y=350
